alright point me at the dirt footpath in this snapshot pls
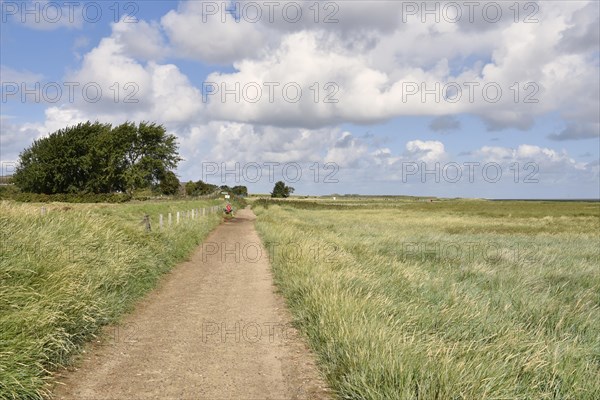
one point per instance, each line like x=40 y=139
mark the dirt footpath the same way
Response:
x=214 y=329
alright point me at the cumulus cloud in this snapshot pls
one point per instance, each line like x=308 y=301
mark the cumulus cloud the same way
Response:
x=14 y=137
x=386 y=74
x=347 y=151
x=546 y=159
x=195 y=34
x=519 y=75
x=427 y=151
x=131 y=90
x=236 y=147
x=152 y=47
x=545 y=167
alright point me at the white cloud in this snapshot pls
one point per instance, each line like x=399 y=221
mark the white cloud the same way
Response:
x=15 y=137
x=374 y=83
x=152 y=47
x=212 y=41
x=546 y=159
x=427 y=151
x=370 y=80
x=132 y=90
x=347 y=151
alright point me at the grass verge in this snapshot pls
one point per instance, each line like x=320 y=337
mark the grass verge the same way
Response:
x=450 y=300
x=65 y=274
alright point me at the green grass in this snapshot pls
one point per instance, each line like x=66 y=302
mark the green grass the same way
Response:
x=444 y=300
x=79 y=267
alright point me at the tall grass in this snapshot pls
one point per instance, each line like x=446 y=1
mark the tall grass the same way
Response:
x=449 y=300
x=65 y=274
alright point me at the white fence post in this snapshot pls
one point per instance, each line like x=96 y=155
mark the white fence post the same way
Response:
x=170 y=219
x=177 y=216
x=160 y=221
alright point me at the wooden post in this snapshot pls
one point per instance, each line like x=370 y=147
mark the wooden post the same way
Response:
x=160 y=221
x=170 y=219
x=43 y=210
x=146 y=222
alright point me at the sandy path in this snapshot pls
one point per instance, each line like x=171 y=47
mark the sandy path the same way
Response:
x=214 y=329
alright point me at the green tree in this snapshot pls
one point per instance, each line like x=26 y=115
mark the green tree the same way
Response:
x=190 y=188
x=109 y=154
x=152 y=152
x=96 y=158
x=203 y=188
x=240 y=190
x=63 y=162
x=169 y=184
x=281 y=190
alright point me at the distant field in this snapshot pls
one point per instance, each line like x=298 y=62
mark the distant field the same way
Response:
x=65 y=274
x=450 y=299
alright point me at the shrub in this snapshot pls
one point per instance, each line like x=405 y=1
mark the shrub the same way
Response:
x=71 y=198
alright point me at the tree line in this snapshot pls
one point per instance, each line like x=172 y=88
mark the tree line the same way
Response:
x=98 y=158
x=201 y=188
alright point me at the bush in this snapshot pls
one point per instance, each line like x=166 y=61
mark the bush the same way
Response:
x=71 y=198
x=8 y=192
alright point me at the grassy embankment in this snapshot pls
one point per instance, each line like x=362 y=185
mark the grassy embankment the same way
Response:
x=444 y=300
x=79 y=267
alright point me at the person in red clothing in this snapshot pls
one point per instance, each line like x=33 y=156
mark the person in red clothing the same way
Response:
x=228 y=209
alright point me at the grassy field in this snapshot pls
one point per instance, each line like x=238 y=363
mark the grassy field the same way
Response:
x=443 y=300
x=65 y=274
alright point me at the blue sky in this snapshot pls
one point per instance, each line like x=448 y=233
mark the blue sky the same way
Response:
x=375 y=130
